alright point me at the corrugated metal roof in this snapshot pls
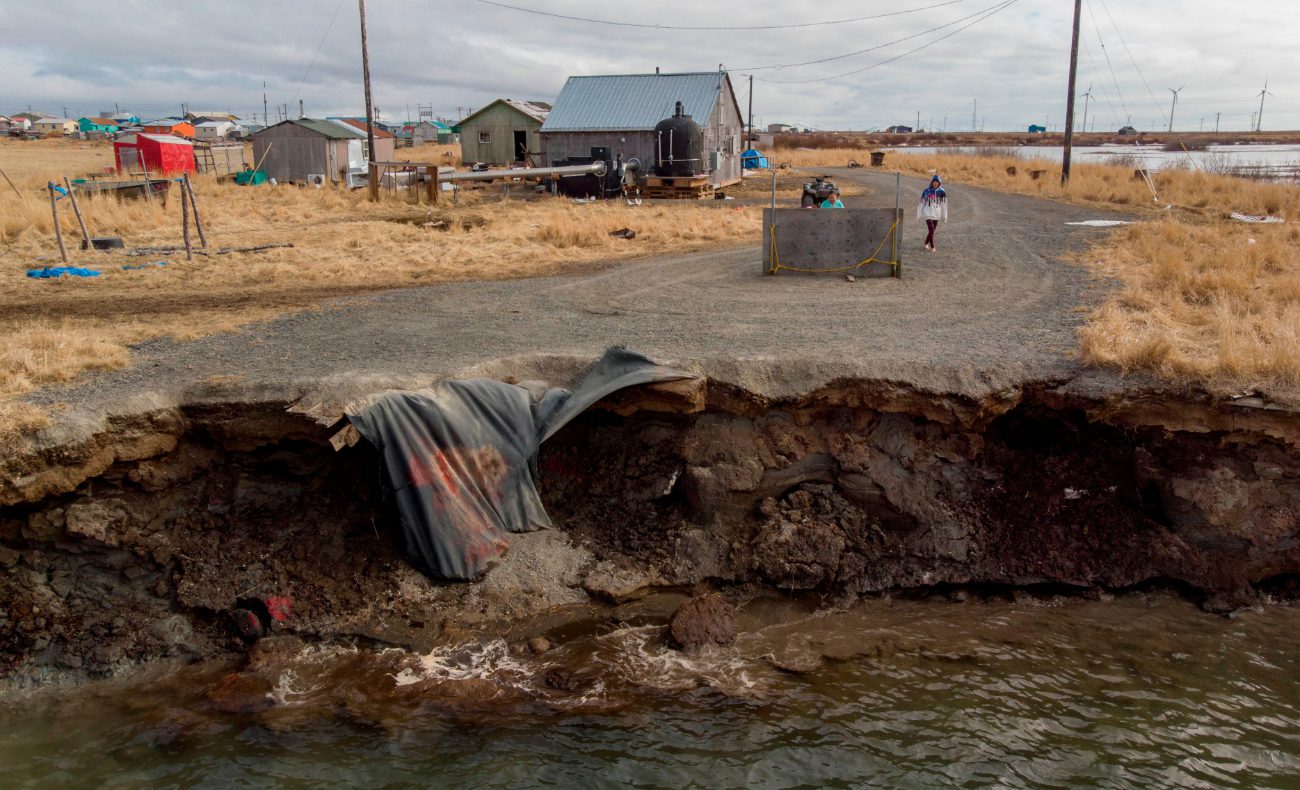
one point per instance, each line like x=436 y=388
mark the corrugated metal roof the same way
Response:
x=632 y=102
x=334 y=131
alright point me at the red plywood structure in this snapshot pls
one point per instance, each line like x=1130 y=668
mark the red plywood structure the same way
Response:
x=157 y=153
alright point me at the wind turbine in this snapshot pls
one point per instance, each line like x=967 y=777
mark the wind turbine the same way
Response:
x=1087 y=96
x=1173 y=106
x=1259 y=119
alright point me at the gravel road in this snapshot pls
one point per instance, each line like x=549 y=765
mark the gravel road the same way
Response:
x=994 y=308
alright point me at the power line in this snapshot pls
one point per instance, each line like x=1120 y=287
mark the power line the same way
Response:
x=995 y=9
x=1133 y=60
x=319 y=46
x=715 y=27
x=1106 y=54
x=873 y=48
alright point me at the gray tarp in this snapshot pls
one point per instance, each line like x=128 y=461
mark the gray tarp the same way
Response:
x=460 y=459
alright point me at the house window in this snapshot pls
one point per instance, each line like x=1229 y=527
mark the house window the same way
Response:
x=484 y=138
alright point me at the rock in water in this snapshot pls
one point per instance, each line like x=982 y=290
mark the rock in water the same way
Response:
x=707 y=620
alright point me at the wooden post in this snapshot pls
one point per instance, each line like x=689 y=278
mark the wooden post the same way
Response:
x=370 y=109
x=85 y=234
x=1069 y=99
x=372 y=183
x=432 y=172
x=11 y=186
x=58 y=232
x=185 y=224
x=194 y=204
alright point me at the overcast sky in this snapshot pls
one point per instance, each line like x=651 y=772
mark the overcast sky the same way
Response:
x=151 y=56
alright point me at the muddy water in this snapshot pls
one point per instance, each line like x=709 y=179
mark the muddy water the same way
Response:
x=1143 y=690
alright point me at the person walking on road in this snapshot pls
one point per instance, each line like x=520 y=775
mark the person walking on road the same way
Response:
x=933 y=208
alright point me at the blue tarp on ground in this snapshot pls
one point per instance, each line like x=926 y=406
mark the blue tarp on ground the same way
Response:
x=55 y=272
x=460 y=459
x=753 y=160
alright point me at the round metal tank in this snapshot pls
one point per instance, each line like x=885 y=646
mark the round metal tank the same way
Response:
x=679 y=146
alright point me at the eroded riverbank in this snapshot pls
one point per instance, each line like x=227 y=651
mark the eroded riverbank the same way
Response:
x=190 y=532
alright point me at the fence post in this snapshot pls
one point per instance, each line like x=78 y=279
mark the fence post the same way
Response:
x=58 y=232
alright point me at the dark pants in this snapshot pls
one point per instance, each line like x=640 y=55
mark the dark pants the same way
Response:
x=930 y=225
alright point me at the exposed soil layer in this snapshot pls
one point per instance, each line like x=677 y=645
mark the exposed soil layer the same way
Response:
x=192 y=532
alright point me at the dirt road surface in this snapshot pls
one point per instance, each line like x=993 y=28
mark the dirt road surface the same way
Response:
x=996 y=307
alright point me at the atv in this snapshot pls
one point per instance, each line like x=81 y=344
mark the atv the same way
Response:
x=817 y=191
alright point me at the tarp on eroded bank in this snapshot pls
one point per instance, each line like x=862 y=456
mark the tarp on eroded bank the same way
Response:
x=460 y=458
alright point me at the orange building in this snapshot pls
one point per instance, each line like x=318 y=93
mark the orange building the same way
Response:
x=170 y=126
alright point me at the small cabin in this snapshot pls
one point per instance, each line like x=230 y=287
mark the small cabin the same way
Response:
x=503 y=132
x=300 y=150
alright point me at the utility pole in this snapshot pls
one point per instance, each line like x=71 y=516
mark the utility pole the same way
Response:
x=917 y=128
x=1069 y=96
x=301 y=113
x=1173 y=106
x=1259 y=119
x=373 y=180
x=266 y=119
x=749 y=143
x=1216 y=122
x=973 y=110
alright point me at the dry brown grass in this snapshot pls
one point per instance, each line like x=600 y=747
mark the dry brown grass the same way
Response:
x=53 y=330
x=430 y=152
x=1216 y=304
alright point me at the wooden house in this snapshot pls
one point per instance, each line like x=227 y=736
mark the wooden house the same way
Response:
x=55 y=126
x=621 y=112
x=503 y=132
x=293 y=150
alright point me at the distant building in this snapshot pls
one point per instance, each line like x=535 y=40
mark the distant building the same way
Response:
x=97 y=125
x=431 y=132
x=1125 y=131
x=293 y=150
x=158 y=153
x=898 y=130
x=19 y=123
x=213 y=130
x=1036 y=129
x=55 y=126
x=621 y=112
x=210 y=115
x=779 y=128
x=505 y=131
x=172 y=126
x=125 y=119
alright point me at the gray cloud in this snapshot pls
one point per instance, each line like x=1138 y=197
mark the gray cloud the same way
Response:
x=151 y=56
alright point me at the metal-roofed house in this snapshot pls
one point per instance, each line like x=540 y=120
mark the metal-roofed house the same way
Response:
x=503 y=132
x=620 y=111
x=292 y=150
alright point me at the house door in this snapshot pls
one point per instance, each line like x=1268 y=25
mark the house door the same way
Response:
x=521 y=146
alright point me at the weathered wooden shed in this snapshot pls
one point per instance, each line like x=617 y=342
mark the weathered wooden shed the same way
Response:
x=292 y=150
x=503 y=132
x=621 y=111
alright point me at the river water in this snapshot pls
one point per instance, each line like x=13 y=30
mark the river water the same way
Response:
x=1140 y=691
x=1280 y=160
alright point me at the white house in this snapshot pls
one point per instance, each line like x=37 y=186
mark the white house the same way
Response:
x=213 y=130
x=60 y=125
